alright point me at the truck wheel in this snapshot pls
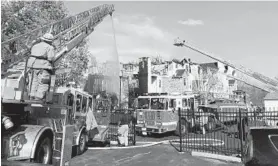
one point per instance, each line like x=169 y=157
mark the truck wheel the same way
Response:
x=44 y=151
x=82 y=143
x=184 y=128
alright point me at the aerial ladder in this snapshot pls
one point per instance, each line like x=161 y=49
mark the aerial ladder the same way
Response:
x=259 y=81
x=68 y=34
x=22 y=141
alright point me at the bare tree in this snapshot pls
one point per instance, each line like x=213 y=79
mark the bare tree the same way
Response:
x=209 y=84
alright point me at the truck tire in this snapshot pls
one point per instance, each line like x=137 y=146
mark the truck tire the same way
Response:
x=184 y=128
x=43 y=152
x=82 y=143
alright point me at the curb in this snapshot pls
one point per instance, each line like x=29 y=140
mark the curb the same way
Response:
x=216 y=156
x=145 y=144
x=148 y=144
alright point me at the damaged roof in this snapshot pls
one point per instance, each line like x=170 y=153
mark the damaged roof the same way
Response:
x=180 y=72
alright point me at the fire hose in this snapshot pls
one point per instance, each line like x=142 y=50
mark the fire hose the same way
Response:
x=172 y=141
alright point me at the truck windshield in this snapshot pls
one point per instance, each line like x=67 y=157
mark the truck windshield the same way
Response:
x=159 y=104
x=143 y=103
x=102 y=104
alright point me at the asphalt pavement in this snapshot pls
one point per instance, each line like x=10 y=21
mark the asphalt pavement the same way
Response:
x=158 y=155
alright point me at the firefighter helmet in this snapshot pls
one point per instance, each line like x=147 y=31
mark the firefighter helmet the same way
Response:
x=48 y=37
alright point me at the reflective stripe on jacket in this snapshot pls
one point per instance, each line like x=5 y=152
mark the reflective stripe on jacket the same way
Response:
x=42 y=54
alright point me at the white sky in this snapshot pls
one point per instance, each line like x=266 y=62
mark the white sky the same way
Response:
x=246 y=33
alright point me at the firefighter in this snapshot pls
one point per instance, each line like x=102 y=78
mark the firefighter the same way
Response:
x=91 y=123
x=40 y=62
x=123 y=128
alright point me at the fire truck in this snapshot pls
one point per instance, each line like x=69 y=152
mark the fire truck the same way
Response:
x=158 y=113
x=37 y=131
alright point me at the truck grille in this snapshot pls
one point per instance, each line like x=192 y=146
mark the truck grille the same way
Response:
x=150 y=123
x=150 y=115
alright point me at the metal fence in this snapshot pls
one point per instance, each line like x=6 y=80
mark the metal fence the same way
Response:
x=220 y=132
x=122 y=121
x=119 y=123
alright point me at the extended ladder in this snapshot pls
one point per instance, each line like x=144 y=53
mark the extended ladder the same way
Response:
x=68 y=33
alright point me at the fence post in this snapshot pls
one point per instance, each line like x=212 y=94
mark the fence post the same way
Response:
x=134 y=130
x=241 y=134
x=179 y=112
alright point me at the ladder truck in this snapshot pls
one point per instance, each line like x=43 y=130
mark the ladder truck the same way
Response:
x=263 y=82
x=39 y=131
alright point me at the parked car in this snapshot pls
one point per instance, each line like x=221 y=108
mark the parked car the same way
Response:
x=262 y=147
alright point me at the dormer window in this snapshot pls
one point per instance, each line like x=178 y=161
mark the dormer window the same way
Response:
x=233 y=73
x=225 y=69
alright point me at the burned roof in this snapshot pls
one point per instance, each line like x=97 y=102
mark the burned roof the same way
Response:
x=212 y=65
x=180 y=72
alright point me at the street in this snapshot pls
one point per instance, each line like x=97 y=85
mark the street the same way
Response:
x=158 y=155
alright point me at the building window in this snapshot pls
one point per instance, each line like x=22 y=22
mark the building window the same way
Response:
x=159 y=83
x=231 y=82
x=172 y=103
x=184 y=103
x=184 y=81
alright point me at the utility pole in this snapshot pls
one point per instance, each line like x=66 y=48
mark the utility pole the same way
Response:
x=120 y=95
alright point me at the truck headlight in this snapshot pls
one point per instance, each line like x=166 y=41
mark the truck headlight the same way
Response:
x=158 y=124
x=140 y=121
x=16 y=144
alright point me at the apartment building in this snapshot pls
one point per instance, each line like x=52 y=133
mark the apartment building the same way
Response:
x=169 y=76
x=219 y=79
